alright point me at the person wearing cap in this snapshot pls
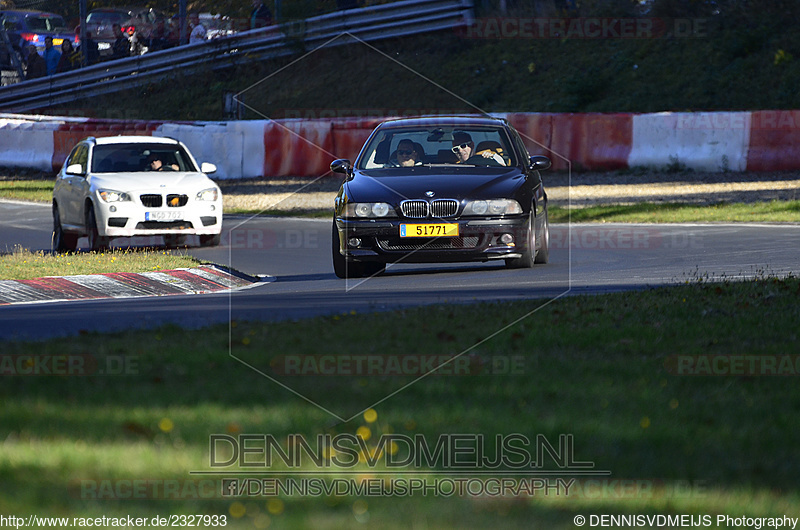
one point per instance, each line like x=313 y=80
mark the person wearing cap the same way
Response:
x=464 y=148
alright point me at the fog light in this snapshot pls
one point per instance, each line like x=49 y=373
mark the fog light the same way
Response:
x=354 y=242
x=112 y=209
x=507 y=239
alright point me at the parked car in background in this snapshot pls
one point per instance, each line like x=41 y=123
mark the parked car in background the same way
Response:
x=217 y=26
x=440 y=189
x=125 y=186
x=31 y=27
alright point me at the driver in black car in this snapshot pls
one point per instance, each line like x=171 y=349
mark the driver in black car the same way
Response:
x=155 y=164
x=407 y=155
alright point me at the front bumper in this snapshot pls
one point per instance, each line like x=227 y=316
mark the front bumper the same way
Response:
x=129 y=219
x=478 y=240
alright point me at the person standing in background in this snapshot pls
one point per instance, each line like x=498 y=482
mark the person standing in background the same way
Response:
x=36 y=65
x=51 y=56
x=122 y=46
x=261 y=16
x=89 y=49
x=198 y=33
x=70 y=59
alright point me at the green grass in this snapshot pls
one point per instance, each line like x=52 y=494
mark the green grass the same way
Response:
x=27 y=190
x=731 y=66
x=21 y=264
x=647 y=212
x=596 y=367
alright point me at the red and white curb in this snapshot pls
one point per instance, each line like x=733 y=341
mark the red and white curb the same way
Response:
x=201 y=280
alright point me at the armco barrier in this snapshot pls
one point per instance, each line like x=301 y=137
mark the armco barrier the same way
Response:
x=774 y=140
x=708 y=141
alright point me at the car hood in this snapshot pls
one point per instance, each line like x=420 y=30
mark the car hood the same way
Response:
x=152 y=181
x=445 y=182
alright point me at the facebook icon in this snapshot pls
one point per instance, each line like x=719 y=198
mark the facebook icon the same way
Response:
x=229 y=487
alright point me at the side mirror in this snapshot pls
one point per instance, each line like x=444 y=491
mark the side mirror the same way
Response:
x=539 y=163
x=208 y=168
x=342 y=165
x=75 y=169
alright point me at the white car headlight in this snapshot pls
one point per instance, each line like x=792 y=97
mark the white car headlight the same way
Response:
x=210 y=194
x=113 y=196
x=368 y=210
x=493 y=207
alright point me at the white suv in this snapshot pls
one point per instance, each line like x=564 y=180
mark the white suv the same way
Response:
x=125 y=186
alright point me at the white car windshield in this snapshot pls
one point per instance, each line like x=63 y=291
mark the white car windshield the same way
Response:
x=125 y=158
x=473 y=146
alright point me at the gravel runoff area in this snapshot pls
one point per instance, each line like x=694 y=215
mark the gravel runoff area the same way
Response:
x=304 y=195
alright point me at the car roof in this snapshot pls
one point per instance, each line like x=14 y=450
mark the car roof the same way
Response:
x=454 y=121
x=28 y=12
x=111 y=140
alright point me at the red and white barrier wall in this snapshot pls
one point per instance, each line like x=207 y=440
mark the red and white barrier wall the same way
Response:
x=707 y=141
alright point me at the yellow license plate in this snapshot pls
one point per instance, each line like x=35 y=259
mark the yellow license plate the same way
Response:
x=429 y=230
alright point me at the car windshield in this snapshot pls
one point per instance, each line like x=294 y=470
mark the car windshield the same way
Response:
x=106 y=18
x=119 y=158
x=42 y=23
x=446 y=145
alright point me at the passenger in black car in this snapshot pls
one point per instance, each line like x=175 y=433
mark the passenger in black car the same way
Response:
x=464 y=149
x=462 y=146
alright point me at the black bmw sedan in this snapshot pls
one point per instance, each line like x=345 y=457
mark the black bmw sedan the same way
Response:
x=440 y=189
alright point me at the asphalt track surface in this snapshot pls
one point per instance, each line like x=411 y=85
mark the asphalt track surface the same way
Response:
x=294 y=257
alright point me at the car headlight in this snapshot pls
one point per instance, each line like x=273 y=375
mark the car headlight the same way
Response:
x=113 y=196
x=493 y=207
x=210 y=194
x=368 y=210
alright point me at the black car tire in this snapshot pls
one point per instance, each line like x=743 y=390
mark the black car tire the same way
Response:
x=527 y=247
x=341 y=268
x=62 y=241
x=96 y=241
x=175 y=240
x=543 y=254
x=210 y=240
x=353 y=269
